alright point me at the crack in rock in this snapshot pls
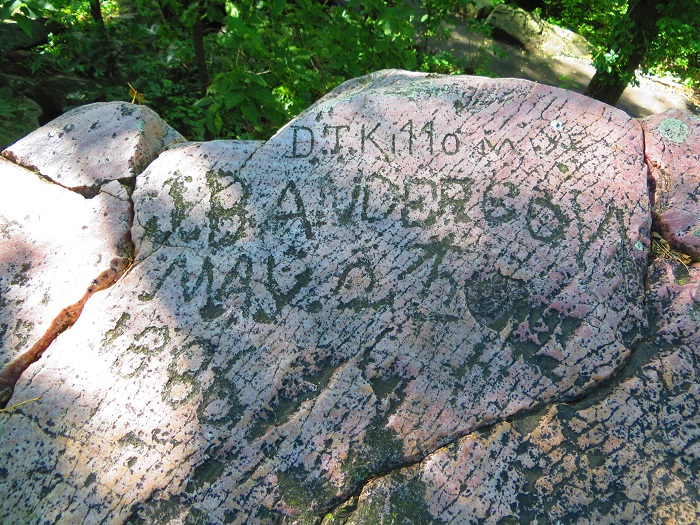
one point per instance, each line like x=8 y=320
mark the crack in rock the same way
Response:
x=13 y=370
x=342 y=511
x=569 y=460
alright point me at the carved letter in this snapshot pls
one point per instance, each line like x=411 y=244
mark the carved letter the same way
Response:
x=368 y=136
x=428 y=130
x=295 y=141
x=455 y=194
x=291 y=207
x=409 y=125
x=336 y=148
x=453 y=149
x=420 y=196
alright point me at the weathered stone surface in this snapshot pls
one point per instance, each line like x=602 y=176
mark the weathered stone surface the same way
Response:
x=411 y=259
x=534 y=33
x=673 y=154
x=94 y=144
x=53 y=243
x=630 y=454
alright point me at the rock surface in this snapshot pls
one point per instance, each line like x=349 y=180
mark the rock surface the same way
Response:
x=425 y=294
x=629 y=454
x=673 y=154
x=94 y=144
x=534 y=33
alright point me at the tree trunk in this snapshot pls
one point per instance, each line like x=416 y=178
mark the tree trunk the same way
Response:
x=200 y=57
x=96 y=12
x=643 y=17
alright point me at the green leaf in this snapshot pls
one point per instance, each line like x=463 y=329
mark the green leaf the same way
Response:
x=250 y=111
x=24 y=22
x=204 y=103
x=232 y=11
x=277 y=7
x=8 y=8
x=231 y=100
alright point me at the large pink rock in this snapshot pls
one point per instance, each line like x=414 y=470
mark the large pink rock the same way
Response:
x=411 y=259
x=673 y=155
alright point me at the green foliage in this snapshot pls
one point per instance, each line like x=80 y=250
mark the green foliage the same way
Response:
x=23 y=12
x=676 y=49
x=592 y=19
x=266 y=60
x=275 y=58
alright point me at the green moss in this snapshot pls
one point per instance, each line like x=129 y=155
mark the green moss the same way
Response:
x=304 y=493
x=161 y=336
x=205 y=473
x=285 y=298
x=383 y=386
x=315 y=375
x=130 y=438
x=119 y=327
x=181 y=207
x=262 y=317
x=681 y=274
x=694 y=312
x=154 y=233
x=381 y=451
x=127 y=110
x=21 y=278
x=89 y=480
x=405 y=504
x=223 y=390
x=545 y=220
x=22 y=331
x=221 y=218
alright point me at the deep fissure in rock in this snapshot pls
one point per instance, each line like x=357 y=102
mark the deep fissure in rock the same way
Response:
x=13 y=370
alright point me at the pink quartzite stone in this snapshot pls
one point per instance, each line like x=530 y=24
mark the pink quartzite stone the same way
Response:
x=94 y=144
x=53 y=243
x=630 y=454
x=673 y=153
x=413 y=258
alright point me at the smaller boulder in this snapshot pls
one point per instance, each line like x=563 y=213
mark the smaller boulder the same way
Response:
x=528 y=30
x=672 y=142
x=53 y=244
x=94 y=144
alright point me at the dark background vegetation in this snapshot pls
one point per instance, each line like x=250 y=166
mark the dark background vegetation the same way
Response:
x=224 y=69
